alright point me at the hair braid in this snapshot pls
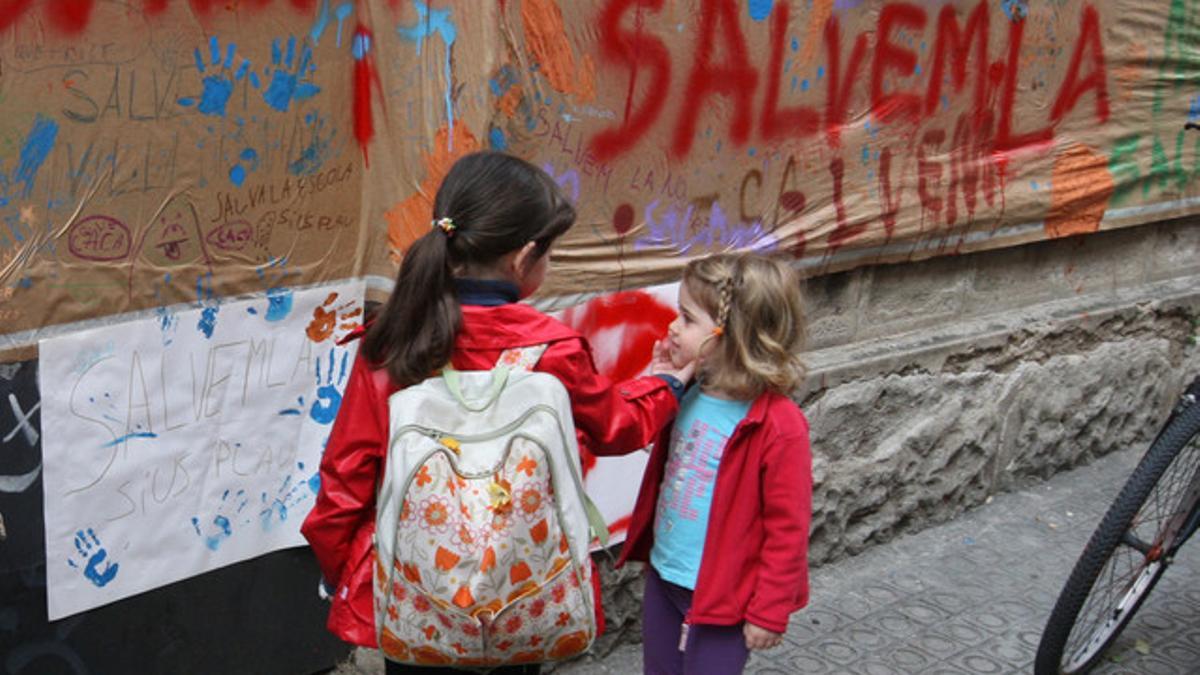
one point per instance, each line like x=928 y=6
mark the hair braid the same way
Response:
x=724 y=300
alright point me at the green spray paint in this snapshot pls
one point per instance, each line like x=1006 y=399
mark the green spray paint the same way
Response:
x=1166 y=173
x=1180 y=50
x=1122 y=164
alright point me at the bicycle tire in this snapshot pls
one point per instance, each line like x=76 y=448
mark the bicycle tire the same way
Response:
x=1066 y=646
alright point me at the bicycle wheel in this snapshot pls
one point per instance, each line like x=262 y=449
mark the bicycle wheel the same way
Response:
x=1127 y=553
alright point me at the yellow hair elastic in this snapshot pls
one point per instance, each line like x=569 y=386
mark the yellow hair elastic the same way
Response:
x=446 y=225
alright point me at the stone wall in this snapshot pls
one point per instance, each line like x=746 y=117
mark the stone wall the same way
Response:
x=933 y=385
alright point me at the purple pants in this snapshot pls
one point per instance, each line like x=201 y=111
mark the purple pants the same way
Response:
x=709 y=650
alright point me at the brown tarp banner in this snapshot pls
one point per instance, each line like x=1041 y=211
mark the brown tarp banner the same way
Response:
x=164 y=151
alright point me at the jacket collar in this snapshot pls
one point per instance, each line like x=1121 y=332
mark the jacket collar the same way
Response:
x=760 y=407
x=513 y=324
x=486 y=292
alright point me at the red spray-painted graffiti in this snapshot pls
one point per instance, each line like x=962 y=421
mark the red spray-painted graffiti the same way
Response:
x=365 y=76
x=737 y=78
x=622 y=328
x=878 y=69
x=72 y=16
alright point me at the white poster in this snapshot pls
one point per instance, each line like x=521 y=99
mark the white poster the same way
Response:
x=183 y=443
x=621 y=329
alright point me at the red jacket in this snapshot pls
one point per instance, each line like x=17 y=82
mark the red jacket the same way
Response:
x=608 y=421
x=755 y=561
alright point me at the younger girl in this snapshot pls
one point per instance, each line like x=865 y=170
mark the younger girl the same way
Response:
x=726 y=500
x=495 y=220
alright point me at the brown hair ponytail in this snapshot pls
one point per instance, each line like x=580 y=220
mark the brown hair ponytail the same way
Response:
x=497 y=204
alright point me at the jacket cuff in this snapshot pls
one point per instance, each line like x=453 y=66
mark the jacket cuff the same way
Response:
x=640 y=386
x=769 y=624
x=674 y=383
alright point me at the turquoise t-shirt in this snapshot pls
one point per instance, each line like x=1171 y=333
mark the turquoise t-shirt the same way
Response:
x=698 y=439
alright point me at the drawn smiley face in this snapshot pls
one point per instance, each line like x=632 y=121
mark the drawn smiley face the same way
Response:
x=173 y=236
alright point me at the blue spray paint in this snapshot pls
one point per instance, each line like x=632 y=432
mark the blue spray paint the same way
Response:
x=496 y=139
x=320 y=24
x=313 y=157
x=209 y=304
x=38 y=145
x=341 y=14
x=760 y=9
x=1015 y=10
x=430 y=21
x=237 y=174
x=168 y=322
x=92 y=556
x=286 y=78
x=294 y=411
x=279 y=298
x=136 y=434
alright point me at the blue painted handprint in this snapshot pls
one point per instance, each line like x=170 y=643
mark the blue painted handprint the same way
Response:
x=218 y=86
x=329 y=399
x=287 y=78
x=289 y=495
x=221 y=527
x=93 y=559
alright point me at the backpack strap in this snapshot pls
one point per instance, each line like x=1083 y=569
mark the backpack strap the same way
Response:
x=595 y=521
x=522 y=358
x=525 y=358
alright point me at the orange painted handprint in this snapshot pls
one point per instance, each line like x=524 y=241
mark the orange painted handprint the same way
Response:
x=329 y=318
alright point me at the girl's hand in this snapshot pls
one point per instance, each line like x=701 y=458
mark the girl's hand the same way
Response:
x=661 y=364
x=760 y=638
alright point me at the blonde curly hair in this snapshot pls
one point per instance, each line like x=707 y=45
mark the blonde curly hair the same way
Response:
x=756 y=304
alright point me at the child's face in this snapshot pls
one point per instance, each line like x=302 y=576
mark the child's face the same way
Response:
x=690 y=331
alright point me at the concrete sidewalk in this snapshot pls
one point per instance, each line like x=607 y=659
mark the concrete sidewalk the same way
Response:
x=970 y=596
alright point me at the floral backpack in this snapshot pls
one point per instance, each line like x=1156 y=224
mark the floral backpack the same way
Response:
x=482 y=523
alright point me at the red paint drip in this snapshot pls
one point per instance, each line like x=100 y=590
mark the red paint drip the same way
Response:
x=201 y=6
x=69 y=16
x=364 y=124
x=153 y=7
x=12 y=10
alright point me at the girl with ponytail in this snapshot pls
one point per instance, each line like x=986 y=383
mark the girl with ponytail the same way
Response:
x=456 y=300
